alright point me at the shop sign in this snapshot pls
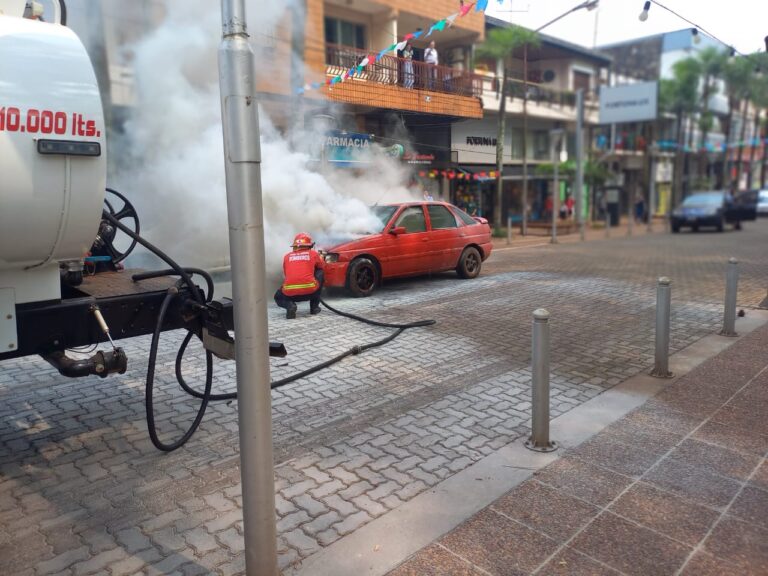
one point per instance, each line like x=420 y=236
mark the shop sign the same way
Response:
x=347 y=148
x=474 y=141
x=415 y=158
x=629 y=103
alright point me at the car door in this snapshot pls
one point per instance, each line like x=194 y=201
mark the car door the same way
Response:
x=408 y=250
x=730 y=209
x=746 y=204
x=445 y=238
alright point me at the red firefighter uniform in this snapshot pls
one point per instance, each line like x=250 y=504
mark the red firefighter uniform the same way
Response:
x=299 y=269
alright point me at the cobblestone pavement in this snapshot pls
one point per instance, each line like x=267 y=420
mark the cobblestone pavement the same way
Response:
x=82 y=491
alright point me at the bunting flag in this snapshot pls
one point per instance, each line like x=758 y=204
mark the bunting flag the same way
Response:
x=439 y=26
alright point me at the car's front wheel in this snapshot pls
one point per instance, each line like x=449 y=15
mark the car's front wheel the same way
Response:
x=362 y=277
x=470 y=263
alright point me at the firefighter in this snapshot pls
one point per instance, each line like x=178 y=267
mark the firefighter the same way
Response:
x=303 y=268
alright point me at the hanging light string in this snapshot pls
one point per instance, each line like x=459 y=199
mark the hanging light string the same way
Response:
x=696 y=27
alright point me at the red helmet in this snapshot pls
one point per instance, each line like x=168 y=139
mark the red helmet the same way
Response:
x=303 y=240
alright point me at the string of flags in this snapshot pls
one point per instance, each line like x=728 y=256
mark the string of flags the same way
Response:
x=372 y=58
x=454 y=175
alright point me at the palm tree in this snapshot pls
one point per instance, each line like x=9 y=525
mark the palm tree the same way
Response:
x=679 y=95
x=712 y=62
x=759 y=98
x=499 y=46
x=736 y=73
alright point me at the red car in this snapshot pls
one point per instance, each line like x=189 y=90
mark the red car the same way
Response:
x=416 y=238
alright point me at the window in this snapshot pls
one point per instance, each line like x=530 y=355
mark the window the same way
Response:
x=412 y=219
x=344 y=33
x=581 y=81
x=440 y=217
x=541 y=145
x=383 y=213
x=466 y=218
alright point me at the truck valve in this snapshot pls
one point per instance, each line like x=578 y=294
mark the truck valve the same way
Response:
x=102 y=324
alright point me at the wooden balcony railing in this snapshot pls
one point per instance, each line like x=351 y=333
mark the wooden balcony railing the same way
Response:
x=400 y=72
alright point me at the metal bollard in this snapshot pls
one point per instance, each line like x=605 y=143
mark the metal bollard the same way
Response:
x=731 y=287
x=539 y=440
x=509 y=230
x=663 y=310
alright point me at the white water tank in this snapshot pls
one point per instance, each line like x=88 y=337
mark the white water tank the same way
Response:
x=52 y=153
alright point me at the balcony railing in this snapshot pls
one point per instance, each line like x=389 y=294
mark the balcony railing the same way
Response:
x=400 y=72
x=537 y=94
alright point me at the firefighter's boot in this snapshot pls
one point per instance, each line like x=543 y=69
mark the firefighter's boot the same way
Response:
x=291 y=313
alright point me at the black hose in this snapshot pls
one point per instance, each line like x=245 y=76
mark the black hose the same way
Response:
x=149 y=398
x=160 y=254
x=171 y=272
x=418 y=324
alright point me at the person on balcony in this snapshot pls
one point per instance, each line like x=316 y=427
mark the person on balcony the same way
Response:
x=432 y=60
x=408 y=66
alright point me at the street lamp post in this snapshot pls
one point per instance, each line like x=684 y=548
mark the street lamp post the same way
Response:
x=557 y=139
x=653 y=149
x=242 y=162
x=587 y=5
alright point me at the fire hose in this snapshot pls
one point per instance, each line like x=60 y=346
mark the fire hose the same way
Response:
x=206 y=396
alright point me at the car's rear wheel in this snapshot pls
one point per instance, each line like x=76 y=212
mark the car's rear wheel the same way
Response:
x=362 y=277
x=721 y=224
x=675 y=227
x=737 y=225
x=470 y=263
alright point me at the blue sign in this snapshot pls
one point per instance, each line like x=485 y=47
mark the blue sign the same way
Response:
x=347 y=148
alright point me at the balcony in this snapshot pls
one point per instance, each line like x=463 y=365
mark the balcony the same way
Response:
x=398 y=84
x=543 y=102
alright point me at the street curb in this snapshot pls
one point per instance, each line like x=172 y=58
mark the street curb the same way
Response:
x=380 y=546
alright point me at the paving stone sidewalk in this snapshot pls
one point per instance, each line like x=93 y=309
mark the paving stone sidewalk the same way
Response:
x=678 y=486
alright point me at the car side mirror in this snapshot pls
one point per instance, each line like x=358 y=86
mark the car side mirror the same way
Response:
x=397 y=230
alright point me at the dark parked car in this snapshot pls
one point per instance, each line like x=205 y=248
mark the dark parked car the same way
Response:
x=712 y=209
x=762 y=203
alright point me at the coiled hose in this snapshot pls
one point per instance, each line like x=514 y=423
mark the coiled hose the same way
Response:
x=206 y=395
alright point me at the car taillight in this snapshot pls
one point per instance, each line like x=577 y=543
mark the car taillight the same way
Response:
x=331 y=257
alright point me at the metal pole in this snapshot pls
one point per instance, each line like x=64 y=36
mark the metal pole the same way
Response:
x=652 y=189
x=509 y=230
x=630 y=210
x=539 y=440
x=731 y=287
x=555 y=189
x=242 y=158
x=580 y=161
x=524 y=231
x=663 y=311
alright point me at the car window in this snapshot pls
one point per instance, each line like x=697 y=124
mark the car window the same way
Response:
x=412 y=219
x=383 y=213
x=704 y=198
x=466 y=218
x=440 y=217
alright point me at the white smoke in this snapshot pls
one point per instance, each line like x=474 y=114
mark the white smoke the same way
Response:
x=174 y=169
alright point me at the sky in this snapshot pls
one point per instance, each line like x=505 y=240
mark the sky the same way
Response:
x=739 y=23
